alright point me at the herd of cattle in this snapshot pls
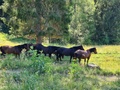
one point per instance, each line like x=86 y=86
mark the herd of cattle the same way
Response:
x=60 y=52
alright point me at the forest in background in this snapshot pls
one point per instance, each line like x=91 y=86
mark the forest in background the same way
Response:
x=94 y=23
x=62 y=21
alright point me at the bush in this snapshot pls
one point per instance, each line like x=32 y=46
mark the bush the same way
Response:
x=33 y=62
x=39 y=62
x=11 y=62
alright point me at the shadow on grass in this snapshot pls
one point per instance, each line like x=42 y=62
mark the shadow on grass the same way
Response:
x=21 y=40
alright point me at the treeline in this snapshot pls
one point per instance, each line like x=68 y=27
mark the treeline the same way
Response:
x=62 y=21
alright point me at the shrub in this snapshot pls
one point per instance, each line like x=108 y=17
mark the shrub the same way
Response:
x=11 y=62
x=39 y=62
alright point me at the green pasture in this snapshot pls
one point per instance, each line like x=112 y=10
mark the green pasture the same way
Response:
x=108 y=58
x=43 y=73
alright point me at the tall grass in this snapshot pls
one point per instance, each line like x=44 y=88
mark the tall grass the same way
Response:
x=42 y=73
x=57 y=81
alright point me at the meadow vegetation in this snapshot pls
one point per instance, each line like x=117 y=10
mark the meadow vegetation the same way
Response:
x=43 y=73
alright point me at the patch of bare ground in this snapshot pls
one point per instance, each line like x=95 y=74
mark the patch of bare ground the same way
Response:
x=108 y=78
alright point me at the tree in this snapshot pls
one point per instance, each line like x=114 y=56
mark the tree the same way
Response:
x=107 y=22
x=3 y=27
x=82 y=24
x=37 y=17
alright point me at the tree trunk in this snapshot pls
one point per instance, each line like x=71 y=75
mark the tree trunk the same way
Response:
x=38 y=36
x=39 y=28
x=38 y=39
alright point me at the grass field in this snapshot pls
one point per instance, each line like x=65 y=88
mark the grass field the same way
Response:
x=43 y=73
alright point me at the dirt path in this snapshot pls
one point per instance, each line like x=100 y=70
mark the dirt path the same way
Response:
x=108 y=78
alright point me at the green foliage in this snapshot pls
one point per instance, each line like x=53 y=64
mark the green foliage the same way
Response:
x=36 y=63
x=63 y=21
x=41 y=73
x=107 y=22
x=65 y=77
x=11 y=62
x=3 y=27
x=39 y=62
x=82 y=24
x=35 y=17
x=95 y=22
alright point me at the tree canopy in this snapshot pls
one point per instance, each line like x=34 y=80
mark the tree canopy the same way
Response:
x=70 y=21
x=38 y=17
x=107 y=22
